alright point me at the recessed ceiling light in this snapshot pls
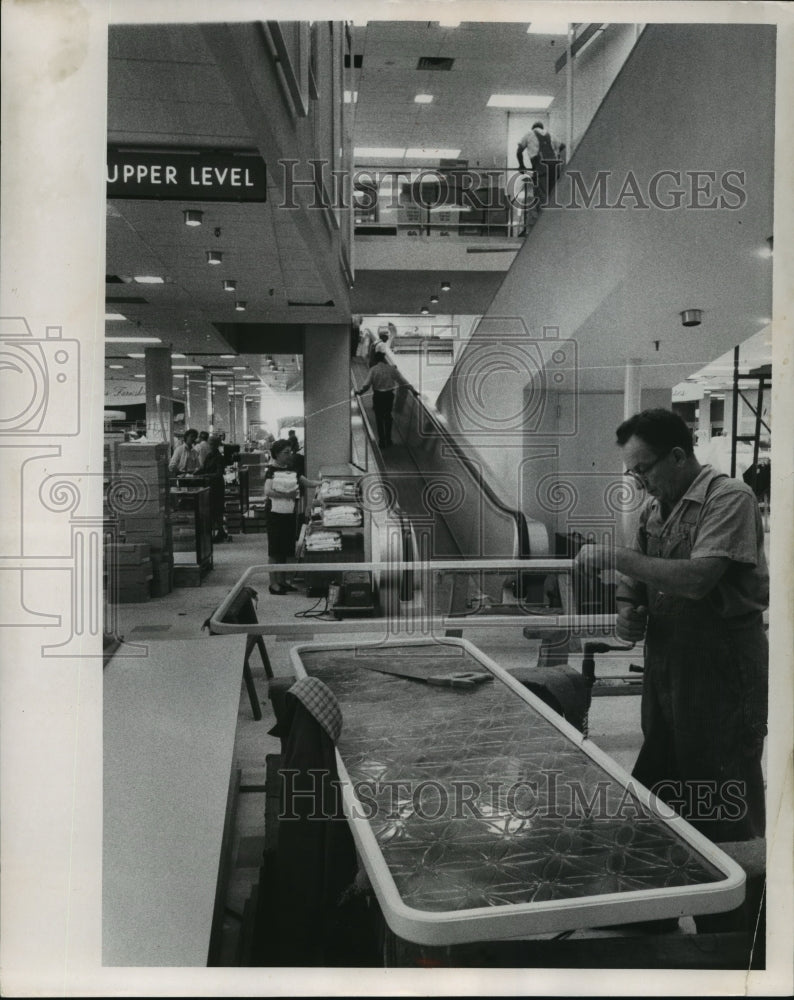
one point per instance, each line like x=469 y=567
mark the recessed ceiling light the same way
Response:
x=425 y=310
x=239 y=307
x=547 y=28
x=214 y=257
x=193 y=217
x=380 y=151
x=229 y=285
x=423 y=99
x=149 y=279
x=425 y=153
x=445 y=286
x=537 y=102
x=351 y=96
x=117 y=367
x=114 y=316
x=133 y=340
x=433 y=300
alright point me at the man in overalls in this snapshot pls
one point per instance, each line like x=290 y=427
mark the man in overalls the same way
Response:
x=695 y=585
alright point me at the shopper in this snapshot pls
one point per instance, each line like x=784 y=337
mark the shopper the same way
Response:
x=202 y=446
x=383 y=379
x=282 y=486
x=695 y=584
x=213 y=467
x=185 y=460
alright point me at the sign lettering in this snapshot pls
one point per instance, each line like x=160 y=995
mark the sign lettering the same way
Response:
x=186 y=176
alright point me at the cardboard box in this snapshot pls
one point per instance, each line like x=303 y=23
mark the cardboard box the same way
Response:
x=142 y=454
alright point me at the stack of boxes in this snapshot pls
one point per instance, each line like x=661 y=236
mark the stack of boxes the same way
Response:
x=145 y=557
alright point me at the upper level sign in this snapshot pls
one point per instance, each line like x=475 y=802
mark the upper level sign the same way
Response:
x=185 y=175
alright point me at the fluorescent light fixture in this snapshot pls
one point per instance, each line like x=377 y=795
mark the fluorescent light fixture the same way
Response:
x=149 y=279
x=536 y=102
x=239 y=307
x=139 y=376
x=193 y=217
x=351 y=96
x=114 y=316
x=547 y=28
x=220 y=383
x=238 y=368
x=384 y=152
x=133 y=340
x=173 y=356
x=117 y=367
x=214 y=257
x=228 y=357
x=423 y=99
x=249 y=378
x=229 y=285
x=187 y=368
x=424 y=153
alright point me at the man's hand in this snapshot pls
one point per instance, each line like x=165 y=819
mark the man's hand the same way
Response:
x=592 y=558
x=631 y=623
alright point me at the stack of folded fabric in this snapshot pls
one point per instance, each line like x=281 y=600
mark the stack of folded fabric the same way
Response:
x=337 y=489
x=343 y=516
x=323 y=541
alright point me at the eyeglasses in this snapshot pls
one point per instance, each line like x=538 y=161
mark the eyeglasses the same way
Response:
x=641 y=475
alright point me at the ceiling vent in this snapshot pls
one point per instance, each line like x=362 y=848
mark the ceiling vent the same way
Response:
x=434 y=62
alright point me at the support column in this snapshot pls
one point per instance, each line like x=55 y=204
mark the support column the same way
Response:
x=632 y=388
x=704 y=420
x=220 y=409
x=197 y=407
x=326 y=393
x=239 y=420
x=159 y=382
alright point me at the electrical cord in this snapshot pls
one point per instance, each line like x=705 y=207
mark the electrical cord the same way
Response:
x=311 y=613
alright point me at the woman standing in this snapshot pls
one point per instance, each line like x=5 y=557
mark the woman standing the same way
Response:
x=282 y=486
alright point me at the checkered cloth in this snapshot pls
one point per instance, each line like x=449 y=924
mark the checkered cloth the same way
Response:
x=318 y=699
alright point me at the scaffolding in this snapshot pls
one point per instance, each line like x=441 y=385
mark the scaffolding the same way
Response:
x=761 y=380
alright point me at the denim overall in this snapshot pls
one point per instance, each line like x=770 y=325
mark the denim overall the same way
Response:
x=704 y=703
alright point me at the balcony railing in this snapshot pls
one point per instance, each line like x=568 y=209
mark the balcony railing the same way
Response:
x=459 y=202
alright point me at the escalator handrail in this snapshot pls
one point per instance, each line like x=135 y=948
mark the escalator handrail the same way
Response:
x=516 y=514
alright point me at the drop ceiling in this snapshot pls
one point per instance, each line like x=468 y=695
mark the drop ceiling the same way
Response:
x=166 y=87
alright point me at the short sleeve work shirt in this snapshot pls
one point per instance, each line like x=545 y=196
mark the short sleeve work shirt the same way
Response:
x=716 y=517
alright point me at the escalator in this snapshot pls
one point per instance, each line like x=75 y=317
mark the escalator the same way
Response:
x=453 y=510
